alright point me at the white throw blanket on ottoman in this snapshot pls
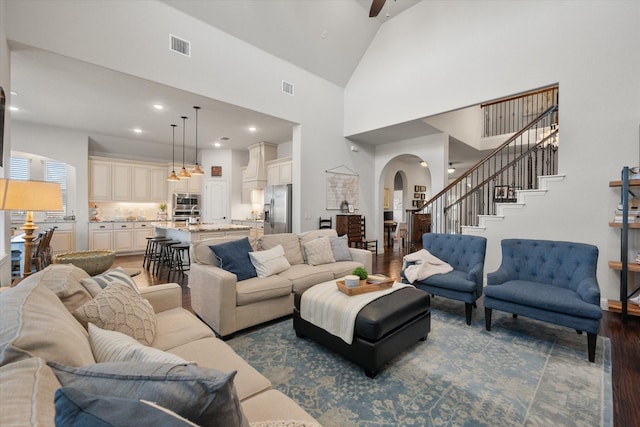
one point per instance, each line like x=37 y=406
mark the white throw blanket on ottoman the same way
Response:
x=326 y=307
x=426 y=265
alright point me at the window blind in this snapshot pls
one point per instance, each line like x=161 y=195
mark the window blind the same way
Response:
x=57 y=172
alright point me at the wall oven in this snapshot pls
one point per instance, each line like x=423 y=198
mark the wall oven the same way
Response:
x=185 y=205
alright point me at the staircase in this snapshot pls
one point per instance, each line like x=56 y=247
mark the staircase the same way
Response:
x=503 y=208
x=520 y=168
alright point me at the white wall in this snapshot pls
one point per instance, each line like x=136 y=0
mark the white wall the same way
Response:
x=434 y=149
x=454 y=54
x=5 y=79
x=221 y=67
x=67 y=146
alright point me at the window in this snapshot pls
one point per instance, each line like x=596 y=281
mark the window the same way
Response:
x=57 y=172
x=19 y=169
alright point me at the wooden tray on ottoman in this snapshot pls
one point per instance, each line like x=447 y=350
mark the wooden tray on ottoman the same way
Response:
x=373 y=283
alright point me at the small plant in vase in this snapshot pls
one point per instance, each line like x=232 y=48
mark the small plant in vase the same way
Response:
x=162 y=215
x=361 y=273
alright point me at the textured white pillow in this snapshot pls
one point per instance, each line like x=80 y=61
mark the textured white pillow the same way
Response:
x=119 y=308
x=319 y=251
x=269 y=262
x=113 y=346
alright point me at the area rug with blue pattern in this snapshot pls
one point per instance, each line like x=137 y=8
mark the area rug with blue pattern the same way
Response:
x=521 y=373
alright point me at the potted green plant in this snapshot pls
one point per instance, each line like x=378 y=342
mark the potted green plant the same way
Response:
x=162 y=215
x=360 y=272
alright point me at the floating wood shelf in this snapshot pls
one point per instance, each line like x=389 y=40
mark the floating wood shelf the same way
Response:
x=617 y=265
x=616 y=307
x=619 y=225
x=632 y=183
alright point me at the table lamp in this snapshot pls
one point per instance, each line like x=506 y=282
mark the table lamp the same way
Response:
x=29 y=196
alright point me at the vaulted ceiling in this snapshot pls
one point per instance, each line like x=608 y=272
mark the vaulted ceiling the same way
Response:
x=325 y=37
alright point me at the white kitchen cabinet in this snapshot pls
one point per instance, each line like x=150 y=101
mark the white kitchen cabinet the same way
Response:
x=141 y=230
x=99 y=181
x=121 y=182
x=279 y=171
x=100 y=236
x=123 y=236
x=191 y=185
x=141 y=184
x=158 y=185
x=127 y=182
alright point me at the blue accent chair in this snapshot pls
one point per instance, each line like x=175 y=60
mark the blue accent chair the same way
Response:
x=466 y=255
x=550 y=281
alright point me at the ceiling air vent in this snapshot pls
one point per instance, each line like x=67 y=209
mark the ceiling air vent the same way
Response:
x=178 y=45
x=287 y=88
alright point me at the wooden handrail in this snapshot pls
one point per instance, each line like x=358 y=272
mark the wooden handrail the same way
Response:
x=522 y=95
x=486 y=158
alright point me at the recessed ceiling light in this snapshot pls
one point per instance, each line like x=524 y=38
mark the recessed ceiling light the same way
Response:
x=137 y=130
x=252 y=129
x=217 y=144
x=423 y=164
x=14 y=108
x=13 y=92
x=158 y=106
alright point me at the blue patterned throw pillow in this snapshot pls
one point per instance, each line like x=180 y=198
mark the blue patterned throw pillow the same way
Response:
x=234 y=257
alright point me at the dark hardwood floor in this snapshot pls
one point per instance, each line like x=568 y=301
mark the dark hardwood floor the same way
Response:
x=625 y=338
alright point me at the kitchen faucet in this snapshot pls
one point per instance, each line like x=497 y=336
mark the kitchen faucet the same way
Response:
x=193 y=219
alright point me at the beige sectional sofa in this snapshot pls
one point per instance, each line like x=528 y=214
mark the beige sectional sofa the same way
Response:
x=36 y=327
x=228 y=305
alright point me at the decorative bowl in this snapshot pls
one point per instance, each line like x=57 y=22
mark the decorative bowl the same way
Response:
x=93 y=262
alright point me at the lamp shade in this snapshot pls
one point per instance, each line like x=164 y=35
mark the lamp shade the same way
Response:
x=19 y=195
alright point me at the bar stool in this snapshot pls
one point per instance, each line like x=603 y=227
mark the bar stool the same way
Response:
x=163 y=255
x=152 y=248
x=178 y=252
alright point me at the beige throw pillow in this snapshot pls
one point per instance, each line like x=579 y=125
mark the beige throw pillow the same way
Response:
x=269 y=262
x=119 y=308
x=318 y=251
x=34 y=323
x=113 y=346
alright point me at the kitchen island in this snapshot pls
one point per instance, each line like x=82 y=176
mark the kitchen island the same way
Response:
x=187 y=233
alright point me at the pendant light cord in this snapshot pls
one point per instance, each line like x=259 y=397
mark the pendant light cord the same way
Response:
x=184 y=118
x=196 y=108
x=173 y=148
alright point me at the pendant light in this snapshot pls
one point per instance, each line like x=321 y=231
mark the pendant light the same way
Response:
x=197 y=170
x=173 y=176
x=183 y=173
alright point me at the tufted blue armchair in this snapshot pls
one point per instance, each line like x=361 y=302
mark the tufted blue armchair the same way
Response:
x=550 y=281
x=466 y=255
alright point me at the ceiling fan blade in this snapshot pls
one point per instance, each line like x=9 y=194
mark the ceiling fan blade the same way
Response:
x=376 y=7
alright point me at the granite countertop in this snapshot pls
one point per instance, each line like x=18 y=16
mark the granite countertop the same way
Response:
x=182 y=226
x=126 y=220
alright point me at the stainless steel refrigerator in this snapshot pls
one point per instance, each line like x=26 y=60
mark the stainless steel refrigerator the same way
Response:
x=277 y=209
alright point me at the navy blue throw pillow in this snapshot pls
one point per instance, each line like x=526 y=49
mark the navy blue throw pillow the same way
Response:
x=234 y=257
x=75 y=408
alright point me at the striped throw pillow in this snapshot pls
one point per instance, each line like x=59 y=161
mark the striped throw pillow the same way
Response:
x=97 y=283
x=113 y=346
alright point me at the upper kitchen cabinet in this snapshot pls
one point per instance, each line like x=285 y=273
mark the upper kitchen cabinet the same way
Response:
x=99 y=181
x=255 y=175
x=191 y=185
x=126 y=182
x=279 y=171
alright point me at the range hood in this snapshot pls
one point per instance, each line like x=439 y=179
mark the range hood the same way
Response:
x=255 y=175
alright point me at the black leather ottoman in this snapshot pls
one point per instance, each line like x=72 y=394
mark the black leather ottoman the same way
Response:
x=384 y=328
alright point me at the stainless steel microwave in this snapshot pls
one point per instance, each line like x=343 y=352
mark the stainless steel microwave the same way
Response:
x=185 y=200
